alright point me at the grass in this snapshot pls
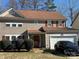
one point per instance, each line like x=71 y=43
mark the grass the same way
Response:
x=28 y=55
x=34 y=54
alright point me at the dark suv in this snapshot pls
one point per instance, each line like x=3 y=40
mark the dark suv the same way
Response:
x=67 y=47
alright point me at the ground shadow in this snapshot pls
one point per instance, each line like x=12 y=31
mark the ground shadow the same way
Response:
x=56 y=53
x=14 y=51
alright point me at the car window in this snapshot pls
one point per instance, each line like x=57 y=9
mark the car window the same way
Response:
x=66 y=43
x=70 y=44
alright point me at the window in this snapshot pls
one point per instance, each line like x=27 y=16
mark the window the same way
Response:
x=7 y=25
x=35 y=21
x=13 y=38
x=49 y=22
x=56 y=22
x=60 y=23
x=19 y=25
x=52 y=22
x=7 y=37
x=13 y=25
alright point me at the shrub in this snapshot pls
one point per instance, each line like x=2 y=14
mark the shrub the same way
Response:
x=0 y=45
x=29 y=43
x=6 y=45
x=19 y=44
x=14 y=44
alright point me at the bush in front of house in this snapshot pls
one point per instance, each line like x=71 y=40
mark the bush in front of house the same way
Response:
x=6 y=45
x=0 y=45
x=29 y=44
x=19 y=44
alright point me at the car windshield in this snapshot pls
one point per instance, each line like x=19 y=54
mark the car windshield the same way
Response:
x=68 y=43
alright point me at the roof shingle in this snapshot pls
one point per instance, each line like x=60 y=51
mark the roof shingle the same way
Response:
x=42 y=15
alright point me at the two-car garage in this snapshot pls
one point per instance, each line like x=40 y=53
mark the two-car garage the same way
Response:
x=54 y=38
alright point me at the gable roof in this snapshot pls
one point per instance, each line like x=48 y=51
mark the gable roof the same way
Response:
x=33 y=14
x=42 y=15
x=75 y=17
x=6 y=12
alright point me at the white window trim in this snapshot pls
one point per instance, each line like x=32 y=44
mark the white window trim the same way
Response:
x=10 y=36
x=14 y=23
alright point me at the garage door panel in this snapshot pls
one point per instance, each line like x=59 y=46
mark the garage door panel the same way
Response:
x=53 y=41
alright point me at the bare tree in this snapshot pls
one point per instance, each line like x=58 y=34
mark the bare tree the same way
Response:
x=50 y=5
x=22 y=3
x=12 y=4
x=1 y=8
x=30 y=4
x=68 y=8
x=35 y=4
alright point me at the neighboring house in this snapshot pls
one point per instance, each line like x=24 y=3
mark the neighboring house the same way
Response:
x=75 y=23
x=45 y=28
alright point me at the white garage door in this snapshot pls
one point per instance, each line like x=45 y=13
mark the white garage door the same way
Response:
x=53 y=41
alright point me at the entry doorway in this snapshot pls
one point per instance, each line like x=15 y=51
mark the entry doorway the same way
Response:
x=36 y=39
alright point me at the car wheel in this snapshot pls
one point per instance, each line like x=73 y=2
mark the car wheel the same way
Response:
x=67 y=52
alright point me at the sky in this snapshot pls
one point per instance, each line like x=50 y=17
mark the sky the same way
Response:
x=61 y=7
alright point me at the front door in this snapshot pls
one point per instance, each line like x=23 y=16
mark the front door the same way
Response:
x=36 y=41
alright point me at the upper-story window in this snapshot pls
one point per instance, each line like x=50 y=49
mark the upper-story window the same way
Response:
x=8 y=25
x=61 y=22
x=14 y=24
x=19 y=25
x=35 y=21
x=57 y=23
x=49 y=22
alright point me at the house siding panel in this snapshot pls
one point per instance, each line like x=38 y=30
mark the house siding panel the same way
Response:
x=34 y=26
x=17 y=30
x=75 y=25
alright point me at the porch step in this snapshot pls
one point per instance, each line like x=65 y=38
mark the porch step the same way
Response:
x=37 y=50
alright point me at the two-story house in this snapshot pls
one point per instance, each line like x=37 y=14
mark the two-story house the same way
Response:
x=44 y=27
